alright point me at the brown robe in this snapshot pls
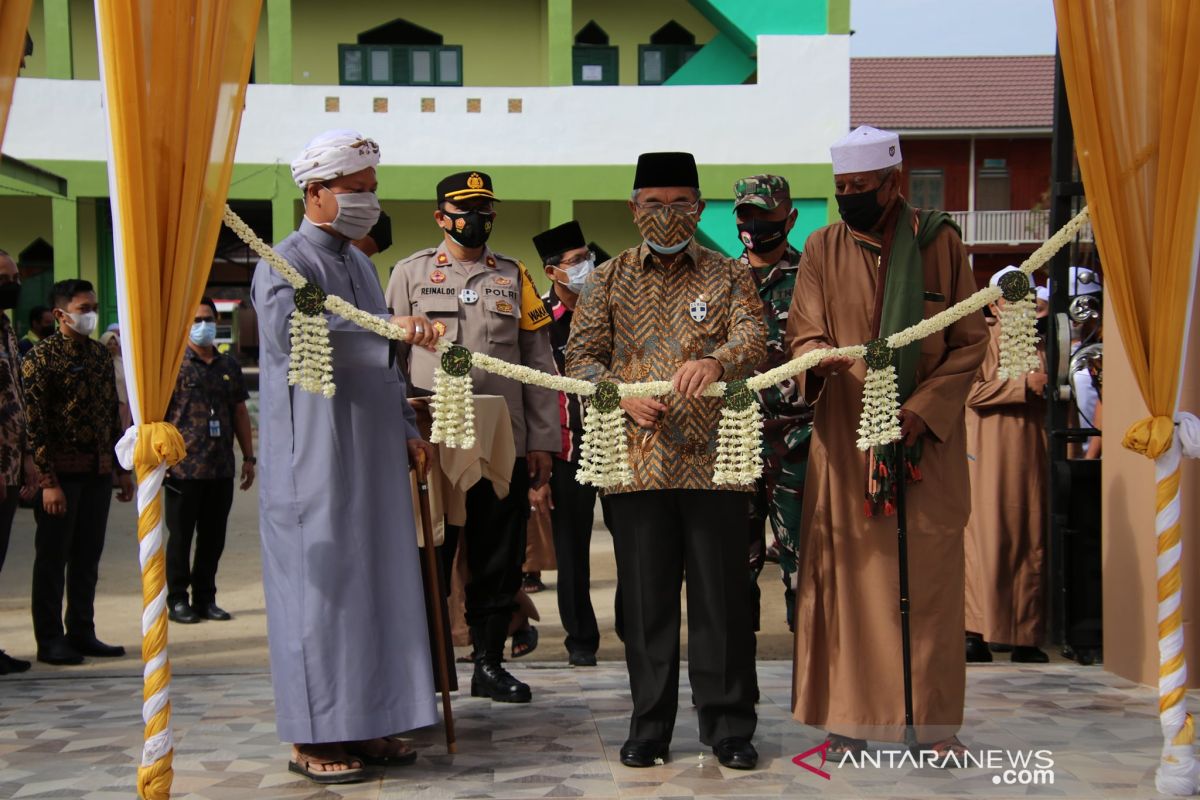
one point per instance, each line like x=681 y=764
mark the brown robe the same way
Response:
x=848 y=669
x=1005 y=550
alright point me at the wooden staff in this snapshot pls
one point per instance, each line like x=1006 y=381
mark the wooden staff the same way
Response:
x=435 y=598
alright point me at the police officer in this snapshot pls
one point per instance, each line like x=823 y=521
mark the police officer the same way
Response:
x=486 y=302
x=764 y=214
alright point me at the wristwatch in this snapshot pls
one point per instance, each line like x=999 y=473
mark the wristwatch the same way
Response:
x=250 y=460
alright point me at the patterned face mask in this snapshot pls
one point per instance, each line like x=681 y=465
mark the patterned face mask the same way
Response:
x=666 y=229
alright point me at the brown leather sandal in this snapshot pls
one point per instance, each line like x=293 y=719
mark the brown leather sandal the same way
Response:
x=303 y=762
x=386 y=751
x=839 y=746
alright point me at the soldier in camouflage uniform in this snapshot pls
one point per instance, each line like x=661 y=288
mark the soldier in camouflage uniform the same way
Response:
x=763 y=207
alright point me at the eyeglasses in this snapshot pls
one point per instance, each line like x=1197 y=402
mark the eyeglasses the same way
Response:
x=588 y=256
x=682 y=208
x=198 y=320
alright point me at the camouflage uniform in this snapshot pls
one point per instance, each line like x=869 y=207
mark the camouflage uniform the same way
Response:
x=787 y=419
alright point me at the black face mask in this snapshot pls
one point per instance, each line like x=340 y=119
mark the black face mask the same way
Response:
x=1043 y=326
x=860 y=210
x=10 y=295
x=471 y=229
x=763 y=235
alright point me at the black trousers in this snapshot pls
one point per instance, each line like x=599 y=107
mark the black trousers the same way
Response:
x=574 y=507
x=495 y=539
x=199 y=507
x=70 y=544
x=8 y=509
x=660 y=536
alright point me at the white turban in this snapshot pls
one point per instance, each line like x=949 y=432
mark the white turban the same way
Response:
x=995 y=281
x=332 y=155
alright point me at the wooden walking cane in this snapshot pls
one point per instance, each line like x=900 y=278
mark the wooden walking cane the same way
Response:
x=435 y=601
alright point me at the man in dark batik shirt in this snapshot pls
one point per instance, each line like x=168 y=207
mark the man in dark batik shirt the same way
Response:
x=765 y=216
x=12 y=424
x=74 y=425
x=209 y=409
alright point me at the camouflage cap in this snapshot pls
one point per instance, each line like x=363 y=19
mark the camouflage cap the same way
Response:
x=764 y=191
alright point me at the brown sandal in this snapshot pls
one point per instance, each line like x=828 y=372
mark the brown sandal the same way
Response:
x=380 y=752
x=946 y=748
x=303 y=763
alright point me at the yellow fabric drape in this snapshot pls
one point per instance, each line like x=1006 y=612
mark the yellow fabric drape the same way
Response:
x=14 y=22
x=175 y=81
x=1132 y=72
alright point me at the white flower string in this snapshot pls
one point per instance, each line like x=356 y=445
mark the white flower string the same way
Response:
x=604 y=460
x=1018 y=328
x=739 y=447
x=879 y=423
x=604 y=454
x=453 y=403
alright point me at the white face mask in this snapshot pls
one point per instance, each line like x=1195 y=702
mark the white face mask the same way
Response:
x=577 y=275
x=357 y=214
x=83 y=324
x=203 y=333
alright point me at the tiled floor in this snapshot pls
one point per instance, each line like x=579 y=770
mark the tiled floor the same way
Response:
x=78 y=737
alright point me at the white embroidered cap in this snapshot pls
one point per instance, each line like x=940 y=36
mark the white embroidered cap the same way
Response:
x=334 y=154
x=865 y=149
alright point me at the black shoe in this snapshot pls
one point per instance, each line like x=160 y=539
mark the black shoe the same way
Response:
x=977 y=650
x=736 y=753
x=581 y=659
x=182 y=613
x=91 y=646
x=11 y=666
x=60 y=653
x=644 y=752
x=492 y=680
x=212 y=611
x=1023 y=654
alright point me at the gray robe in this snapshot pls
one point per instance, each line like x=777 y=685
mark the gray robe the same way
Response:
x=345 y=607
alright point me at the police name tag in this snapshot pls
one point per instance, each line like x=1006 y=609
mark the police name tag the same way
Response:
x=469 y=296
x=698 y=309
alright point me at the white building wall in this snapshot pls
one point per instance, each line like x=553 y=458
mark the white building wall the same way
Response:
x=800 y=105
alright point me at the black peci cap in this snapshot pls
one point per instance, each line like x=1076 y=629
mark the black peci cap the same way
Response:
x=666 y=169
x=464 y=186
x=559 y=240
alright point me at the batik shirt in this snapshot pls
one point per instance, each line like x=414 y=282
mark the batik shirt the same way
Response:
x=639 y=321
x=202 y=408
x=12 y=406
x=71 y=403
x=787 y=419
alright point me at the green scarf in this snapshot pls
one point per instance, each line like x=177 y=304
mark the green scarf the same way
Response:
x=904 y=293
x=903 y=306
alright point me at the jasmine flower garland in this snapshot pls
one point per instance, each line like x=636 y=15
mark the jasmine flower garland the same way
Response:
x=453 y=405
x=604 y=454
x=739 y=455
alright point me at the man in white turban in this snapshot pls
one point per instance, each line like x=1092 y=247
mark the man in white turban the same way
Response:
x=345 y=613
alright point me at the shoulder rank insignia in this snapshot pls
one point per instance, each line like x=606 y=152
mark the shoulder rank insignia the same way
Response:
x=491 y=262
x=437 y=276
x=442 y=259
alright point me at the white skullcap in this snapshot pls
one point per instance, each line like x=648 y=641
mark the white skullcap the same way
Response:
x=1081 y=280
x=995 y=281
x=865 y=149
x=332 y=155
x=1043 y=294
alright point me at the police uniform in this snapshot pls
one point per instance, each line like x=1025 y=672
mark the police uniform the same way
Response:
x=488 y=306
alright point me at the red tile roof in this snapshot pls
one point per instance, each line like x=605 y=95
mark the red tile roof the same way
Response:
x=954 y=93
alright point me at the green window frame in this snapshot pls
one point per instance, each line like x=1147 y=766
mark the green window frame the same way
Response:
x=586 y=58
x=400 y=65
x=669 y=58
